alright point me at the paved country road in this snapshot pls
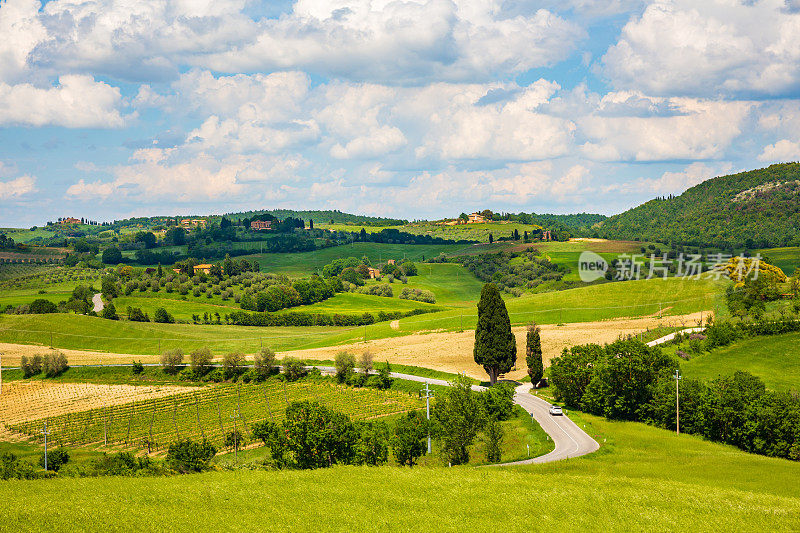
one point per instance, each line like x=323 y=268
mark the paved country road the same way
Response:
x=569 y=439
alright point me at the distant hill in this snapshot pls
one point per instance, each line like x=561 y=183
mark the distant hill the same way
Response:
x=754 y=209
x=321 y=217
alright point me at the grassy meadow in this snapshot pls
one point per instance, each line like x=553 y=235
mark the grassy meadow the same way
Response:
x=305 y=263
x=775 y=359
x=643 y=478
x=590 y=303
x=787 y=259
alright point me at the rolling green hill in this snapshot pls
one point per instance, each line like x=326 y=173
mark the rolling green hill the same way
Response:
x=754 y=209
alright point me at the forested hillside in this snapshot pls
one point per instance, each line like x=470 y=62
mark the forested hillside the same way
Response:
x=322 y=217
x=754 y=209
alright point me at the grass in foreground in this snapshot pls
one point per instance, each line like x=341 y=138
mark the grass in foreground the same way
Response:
x=643 y=478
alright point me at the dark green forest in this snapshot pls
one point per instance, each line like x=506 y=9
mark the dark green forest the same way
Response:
x=754 y=209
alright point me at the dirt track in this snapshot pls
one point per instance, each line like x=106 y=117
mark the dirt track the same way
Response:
x=452 y=351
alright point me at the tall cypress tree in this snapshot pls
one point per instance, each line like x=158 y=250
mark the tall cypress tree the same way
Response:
x=495 y=345
x=533 y=354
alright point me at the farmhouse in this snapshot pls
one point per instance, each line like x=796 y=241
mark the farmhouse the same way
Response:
x=70 y=220
x=373 y=272
x=259 y=225
x=476 y=218
x=204 y=268
x=192 y=222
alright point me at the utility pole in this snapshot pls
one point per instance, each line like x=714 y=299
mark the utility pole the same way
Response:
x=235 y=416
x=677 y=377
x=428 y=395
x=45 y=433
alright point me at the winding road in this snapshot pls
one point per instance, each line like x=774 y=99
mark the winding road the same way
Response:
x=569 y=439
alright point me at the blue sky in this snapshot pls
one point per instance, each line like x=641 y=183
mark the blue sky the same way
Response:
x=411 y=109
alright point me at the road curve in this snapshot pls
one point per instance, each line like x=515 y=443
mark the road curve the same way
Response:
x=569 y=439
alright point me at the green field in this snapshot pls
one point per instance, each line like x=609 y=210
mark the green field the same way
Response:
x=206 y=413
x=21 y=235
x=643 y=478
x=787 y=259
x=305 y=263
x=451 y=283
x=775 y=359
x=595 y=302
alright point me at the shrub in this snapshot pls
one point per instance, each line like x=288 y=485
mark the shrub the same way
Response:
x=418 y=295
x=31 y=367
x=13 y=468
x=232 y=364
x=41 y=306
x=365 y=362
x=345 y=363
x=264 y=364
x=408 y=441
x=234 y=440
x=171 y=360
x=135 y=314
x=109 y=312
x=200 y=362
x=189 y=456
x=162 y=316
x=459 y=416
x=137 y=368
x=294 y=369
x=55 y=459
x=54 y=364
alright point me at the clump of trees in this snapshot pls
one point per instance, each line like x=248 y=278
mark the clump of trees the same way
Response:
x=628 y=380
x=420 y=295
x=52 y=364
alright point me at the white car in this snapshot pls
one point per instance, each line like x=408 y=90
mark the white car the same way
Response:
x=555 y=410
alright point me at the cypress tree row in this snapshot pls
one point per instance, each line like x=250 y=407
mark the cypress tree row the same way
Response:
x=533 y=354
x=495 y=345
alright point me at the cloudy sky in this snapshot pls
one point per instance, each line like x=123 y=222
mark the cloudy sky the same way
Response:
x=411 y=109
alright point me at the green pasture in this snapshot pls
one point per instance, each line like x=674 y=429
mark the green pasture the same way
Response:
x=787 y=259
x=451 y=283
x=305 y=263
x=775 y=359
x=642 y=479
x=590 y=303
x=352 y=303
x=23 y=235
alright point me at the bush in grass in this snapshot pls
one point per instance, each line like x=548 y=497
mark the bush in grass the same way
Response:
x=186 y=456
x=234 y=440
x=215 y=376
x=109 y=312
x=383 y=380
x=418 y=295
x=162 y=316
x=56 y=458
x=232 y=364
x=409 y=439
x=122 y=464
x=41 y=306
x=54 y=364
x=493 y=437
x=317 y=436
x=378 y=289
x=345 y=363
x=137 y=368
x=294 y=369
x=135 y=314
x=264 y=364
x=171 y=361
x=200 y=362
x=13 y=468
x=31 y=366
